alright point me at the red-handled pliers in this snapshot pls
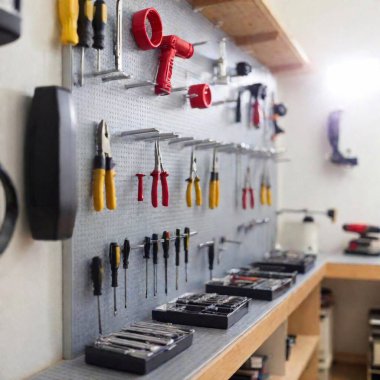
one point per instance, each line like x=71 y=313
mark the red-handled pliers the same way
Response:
x=159 y=173
x=248 y=191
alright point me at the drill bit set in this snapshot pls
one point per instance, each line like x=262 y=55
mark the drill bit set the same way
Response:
x=140 y=347
x=205 y=310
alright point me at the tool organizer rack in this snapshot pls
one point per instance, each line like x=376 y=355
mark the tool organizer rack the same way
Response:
x=134 y=109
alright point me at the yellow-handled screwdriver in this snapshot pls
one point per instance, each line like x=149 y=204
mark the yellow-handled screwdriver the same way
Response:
x=214 y=190
x=103 y=172
x=114 y=257
x=68 y=15
x=193 y=180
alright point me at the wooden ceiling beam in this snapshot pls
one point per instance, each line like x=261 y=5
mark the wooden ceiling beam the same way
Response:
x=256 y=38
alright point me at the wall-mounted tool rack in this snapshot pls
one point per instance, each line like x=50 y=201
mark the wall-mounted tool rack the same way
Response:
x=254 y=28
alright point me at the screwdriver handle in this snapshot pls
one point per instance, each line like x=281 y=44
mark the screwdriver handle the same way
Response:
x=212 y=192
x=244 y=198
x=256 y=114
x=155 y=174
x=217 y=191
x=186 y=243
x=165 y=188
x=147 y=245
x=252 y=197
x=263 y=194
x=99 y=24
x=110 y=184
x=98 y=183
x=165 y=244
x=155 y=248
x=97 y=274
x=177 y=246
x=269 y=195
x=198 y=192
x=114 y=256
x=68 y=15
x=211 y=256
x=126 y=252
x=189 y=192
x=86 y=14
x=140 y=190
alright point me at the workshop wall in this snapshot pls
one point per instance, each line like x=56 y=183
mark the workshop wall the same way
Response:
x=30 y=271
x=139 y=108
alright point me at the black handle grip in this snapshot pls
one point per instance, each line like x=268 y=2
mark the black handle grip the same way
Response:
x=99 y=24
x=155 y=248
x=211 y=256
x=97 y=273
x=147 y=245
x=165 y=244
x=126 y=252
x=84 y=23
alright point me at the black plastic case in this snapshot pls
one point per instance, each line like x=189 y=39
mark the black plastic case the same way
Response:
x=259 y=290
x=197 y=310
x=300 y=264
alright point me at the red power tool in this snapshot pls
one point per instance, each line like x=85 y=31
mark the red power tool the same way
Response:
x=171 y=47
x=366 y=244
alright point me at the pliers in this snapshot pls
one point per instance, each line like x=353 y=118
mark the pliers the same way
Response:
x=103 y=172
x=193 y=180
x=214 y=191
x=248 y=191
x=159 y=173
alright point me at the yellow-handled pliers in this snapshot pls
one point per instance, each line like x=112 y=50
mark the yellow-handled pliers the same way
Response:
x=193 y=180
x=103 y=173
x=214 y=191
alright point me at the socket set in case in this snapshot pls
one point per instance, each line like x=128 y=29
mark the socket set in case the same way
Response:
x=266 y=289
x=204 y=310
x=286 y=261
x=140 y=347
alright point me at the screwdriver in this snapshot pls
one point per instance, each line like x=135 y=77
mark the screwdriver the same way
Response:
x=86 y=14
x=165 y=247
x=211 y=256
x=186 y=243
x=97 y=274
x=155 y=262
x=177 y=251
x=146 y=257
x=114 y=256
x=99 y=25
x=68 y=16
x=126 y=252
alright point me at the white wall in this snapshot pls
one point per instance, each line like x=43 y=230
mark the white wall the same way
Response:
x=30 y=272
x=331 y=32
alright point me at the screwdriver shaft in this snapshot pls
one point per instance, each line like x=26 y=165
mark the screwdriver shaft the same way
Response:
x=176 y=278
x=81 y=80
x=146 y=278
x=114 y=302
x=99 y=317
x=98 y=61
x=125 y=288
x=166 y=276
x=186 y=272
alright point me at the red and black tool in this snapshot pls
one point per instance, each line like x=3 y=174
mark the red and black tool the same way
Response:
x=140 y=187
x=171 y=47
x=166 y=248
x=159 y=174
x=366 y=244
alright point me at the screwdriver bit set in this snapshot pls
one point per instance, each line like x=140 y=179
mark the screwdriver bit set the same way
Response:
x=140 y=347
x=266 y=289
x=287 y=261
x=204 y=310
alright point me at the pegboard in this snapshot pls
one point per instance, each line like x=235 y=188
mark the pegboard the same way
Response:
x=125 y=110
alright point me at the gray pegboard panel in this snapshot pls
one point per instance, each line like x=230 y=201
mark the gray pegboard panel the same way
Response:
x=139 y=108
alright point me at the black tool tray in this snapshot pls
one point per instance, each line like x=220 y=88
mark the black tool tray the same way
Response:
x=141 y=362
x=257 y=272
x=287 y=261
x=266 y=289
x=204 y=310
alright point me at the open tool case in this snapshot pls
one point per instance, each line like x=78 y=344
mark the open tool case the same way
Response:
x=256 y=272
x=140 y=347
x=266 y=289
x=204 y=310
x=287 y=261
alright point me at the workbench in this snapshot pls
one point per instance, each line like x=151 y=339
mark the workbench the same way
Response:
x=217 y=354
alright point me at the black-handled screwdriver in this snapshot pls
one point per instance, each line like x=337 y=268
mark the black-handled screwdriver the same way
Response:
x=99 y=24
x=211 y=257
x=186 y=246
x=97 y=274
x=114 y=256
x=126 y=252
x=86 y=14
x=146 y=256
x=177 y=244
x=166 y=247
x=155 y=262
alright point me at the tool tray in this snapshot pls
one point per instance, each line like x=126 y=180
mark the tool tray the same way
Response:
x=257 y=272
x=204 y=310
x=266 y=289
x=137 y=360
x=287 y=262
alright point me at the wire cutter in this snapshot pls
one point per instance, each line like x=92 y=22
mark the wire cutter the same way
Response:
x=103 y=172
x=193 y=180
x=214 y=191
x=159 y=173
x=248 y=191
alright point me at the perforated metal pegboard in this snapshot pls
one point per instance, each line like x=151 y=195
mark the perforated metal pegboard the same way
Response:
x=139 y=108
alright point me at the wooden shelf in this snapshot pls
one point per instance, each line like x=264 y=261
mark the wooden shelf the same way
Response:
x=252 y=26
x=300 y=357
